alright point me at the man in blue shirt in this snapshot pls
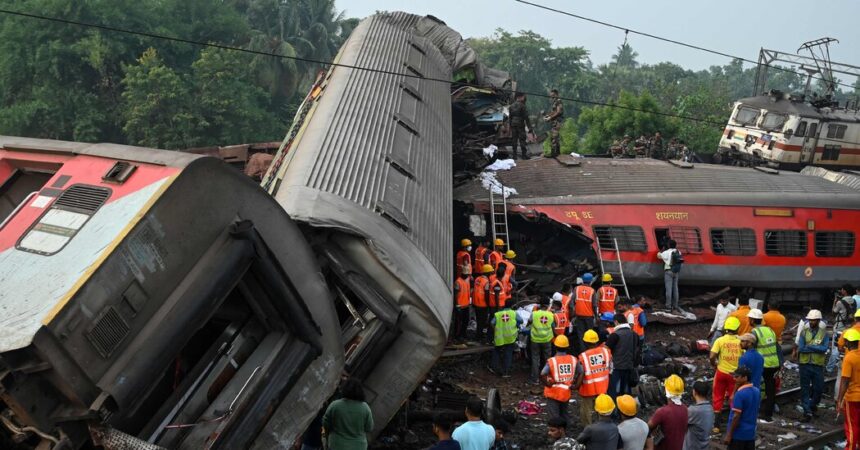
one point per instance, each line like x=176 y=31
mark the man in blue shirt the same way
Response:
x=442 y=429
x=475 y=434
x=743 y=417
x=752 y=359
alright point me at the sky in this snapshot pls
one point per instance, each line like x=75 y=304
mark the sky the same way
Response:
x=773 y=24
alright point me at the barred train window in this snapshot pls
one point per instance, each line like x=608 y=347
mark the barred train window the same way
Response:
x=834 y=243
x=689 y=239
x=835 y=131
x=630 y=238
x=733 y=241
x=785 y=243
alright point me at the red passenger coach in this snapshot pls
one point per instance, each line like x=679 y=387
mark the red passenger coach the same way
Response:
x=739 y=227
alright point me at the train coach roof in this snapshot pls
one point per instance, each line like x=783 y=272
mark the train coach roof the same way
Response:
x=106 y=150
x=647 y=181
x=781 y=105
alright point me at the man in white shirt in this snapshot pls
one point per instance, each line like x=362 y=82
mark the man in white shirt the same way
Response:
x=670 y=278
x=724 y=308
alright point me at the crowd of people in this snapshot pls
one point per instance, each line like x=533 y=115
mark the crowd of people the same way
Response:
x=648 y=146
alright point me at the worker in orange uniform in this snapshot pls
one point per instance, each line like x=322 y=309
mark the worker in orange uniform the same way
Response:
x=480 y=302
x=559 y=314
x=510 y=271
x=584 y=311
x=595 y=361
x=724 y=357
x=774 y=319
x=560 y=373
x=637 y=319
x=496 y=256
x=606 y=295
x=481 y=255
x=462 y=302
x=741 y=314
x=499 y=289
x=848 y=398
x=464 y=256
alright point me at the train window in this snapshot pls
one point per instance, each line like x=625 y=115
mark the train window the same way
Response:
x=630 y=238
x=831 y=153
x=835 y=131
x=773 y=121
x=834 y=243
x=689 y=239
x=785 y=243
x=801 y=130
x=733 y=241
x=746 y=116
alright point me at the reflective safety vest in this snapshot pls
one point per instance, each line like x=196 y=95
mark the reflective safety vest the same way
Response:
x=606 y=296
x=595 y=366
x=541 y=329
x=766 y=345
x=562 y=369
x=463 y=259
x=495 y=258
x=815 y=339
x=582 y=305
x=479 y=294
x=463 y=297
x=505 y=330
x=633 y=319
x=480 y=259
x=496 y=285
x=560 y=322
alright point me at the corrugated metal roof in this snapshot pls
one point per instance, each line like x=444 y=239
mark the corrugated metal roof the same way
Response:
x=851 y=180
x=598 y=180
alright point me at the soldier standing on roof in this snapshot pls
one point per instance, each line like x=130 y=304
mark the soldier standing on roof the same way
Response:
x=520 y=125
x=555 y=118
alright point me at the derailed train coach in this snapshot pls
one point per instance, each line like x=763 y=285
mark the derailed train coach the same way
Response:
x=162 y=300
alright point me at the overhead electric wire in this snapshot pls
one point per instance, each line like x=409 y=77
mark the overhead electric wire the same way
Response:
x=665 y=39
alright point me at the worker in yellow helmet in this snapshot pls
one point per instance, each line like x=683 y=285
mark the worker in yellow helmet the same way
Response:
x=672 y=418
x=464 y=257
x=633 y=430
x=725 y=354
x=496 y=256
x=560 y=373
x=509 y=270
x=595 y=362
x=603 y=433
x=848 y=398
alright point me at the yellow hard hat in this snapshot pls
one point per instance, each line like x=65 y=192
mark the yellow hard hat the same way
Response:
x=500 y=242
x=732 y=324
x=561 y=341
x=857 y=314
x=852 y=335
x=590 y=336
x=487 y=268
x=627 y=405
x=510 y=254
x=465 y=243
x=607 y=278
x=604 y=405
x=674 y=385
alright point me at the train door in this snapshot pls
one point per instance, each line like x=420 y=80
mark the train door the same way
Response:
x=807 y=152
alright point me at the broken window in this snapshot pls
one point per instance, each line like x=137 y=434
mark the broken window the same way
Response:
x=785 y=243
x=834 y=243
x=629 y=238
x=733 y=241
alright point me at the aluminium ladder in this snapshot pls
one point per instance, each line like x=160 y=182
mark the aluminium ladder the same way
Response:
x=613 y=267
x=499 y=215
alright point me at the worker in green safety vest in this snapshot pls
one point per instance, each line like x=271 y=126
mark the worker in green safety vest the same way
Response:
x=541 y=333
x=506 y=325
x=767 y=346
x=812 y=349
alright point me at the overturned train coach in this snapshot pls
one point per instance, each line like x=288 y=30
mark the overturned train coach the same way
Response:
x=163 y=300
x=784 y=235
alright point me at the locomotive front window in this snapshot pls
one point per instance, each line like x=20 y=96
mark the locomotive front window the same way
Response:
x=801 y=130
x=773 y=121
x=746 y=116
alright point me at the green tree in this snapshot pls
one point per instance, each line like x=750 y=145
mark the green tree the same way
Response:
x=636 y=116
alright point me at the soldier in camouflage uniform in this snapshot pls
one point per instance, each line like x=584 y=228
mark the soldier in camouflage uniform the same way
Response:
x=555 y=119
x=557 y=434
x=519 y=121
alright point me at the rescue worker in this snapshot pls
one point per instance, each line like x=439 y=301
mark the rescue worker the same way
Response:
x=606 y=295
x=840 y=345
x=560 y=373
x=671 y=419
x=605 y=327
x=724 y=357
x=464 y=256
x=637 y=319
x=540 y=326
x=498 y=290
x=741 y=430
x=555 y=118
x=603 y=434
x=633 y=430
x=812 y=349
x=480 y=302
x=510 y=270
x=741 y=313
x=559 y=314
x=767 y=345
x=848 y=398
x=496 y=255
x=462 y=302
x=595 y=362
x=775 y=320
x=481 y=256
x=520 y=125
x=584 y=310
x=623 y=344
x=506 y=325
